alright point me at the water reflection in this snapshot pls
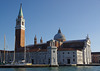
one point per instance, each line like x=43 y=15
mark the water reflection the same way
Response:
x=84 y=68
x=53 y=69
x=19 y=69
x=60 y=68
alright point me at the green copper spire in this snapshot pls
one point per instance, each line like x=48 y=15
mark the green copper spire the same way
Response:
x=20 y=11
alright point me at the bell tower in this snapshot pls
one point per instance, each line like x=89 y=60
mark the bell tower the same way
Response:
x=20 y=30
x=35 y=40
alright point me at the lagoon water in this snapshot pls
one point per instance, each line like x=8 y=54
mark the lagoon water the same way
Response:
x=61 y=68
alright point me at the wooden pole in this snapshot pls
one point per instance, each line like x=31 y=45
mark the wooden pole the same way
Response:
x=4 y=50
x=25 y=52
x=14 y=51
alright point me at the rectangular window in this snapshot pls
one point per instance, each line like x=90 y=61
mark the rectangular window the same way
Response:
x=73 y=60
x=73 y=55
x=45 y=56
x=54 y=59
x=63 y=60
x=53 y=44
x=22 y=23
x=53 y=51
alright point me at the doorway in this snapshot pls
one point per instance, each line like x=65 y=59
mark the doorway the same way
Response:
x=32 y=61
x=99 y=61
x=48 y=61
x=68 y=61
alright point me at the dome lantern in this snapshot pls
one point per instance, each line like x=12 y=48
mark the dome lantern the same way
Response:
x=59 y=36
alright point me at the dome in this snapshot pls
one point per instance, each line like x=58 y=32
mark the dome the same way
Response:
x=59 y=36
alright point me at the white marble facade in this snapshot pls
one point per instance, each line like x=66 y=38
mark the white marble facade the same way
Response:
x=54 y=57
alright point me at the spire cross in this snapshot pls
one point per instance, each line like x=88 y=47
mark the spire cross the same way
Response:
x=20 y=5
x=87 y=36
x=59 y=31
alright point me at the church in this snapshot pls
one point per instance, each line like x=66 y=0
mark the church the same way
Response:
x=57 y=51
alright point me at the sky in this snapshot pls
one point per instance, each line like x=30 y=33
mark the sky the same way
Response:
x=75 y=18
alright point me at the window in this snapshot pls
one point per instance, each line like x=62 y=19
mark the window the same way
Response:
x=53 y=51
x=53 y=59
x=22 y=59
x=48 y=61
x=18 y=23
x=22 y=23
x=43 y=61
x=40 y=47
x=63 y=52
x=63 y=60
x=73 y=55
x=68 y=53
x=53 y=44
x=73 y=52
x=45 y=56
x=73 y=60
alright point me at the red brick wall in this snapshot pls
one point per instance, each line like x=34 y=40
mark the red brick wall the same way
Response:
x=20 y=38
x=95 y=58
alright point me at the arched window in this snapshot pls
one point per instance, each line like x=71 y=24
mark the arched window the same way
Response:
x=18 y=22
x=22 y=23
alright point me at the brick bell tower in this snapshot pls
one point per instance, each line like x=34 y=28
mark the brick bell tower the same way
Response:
x=20 y=30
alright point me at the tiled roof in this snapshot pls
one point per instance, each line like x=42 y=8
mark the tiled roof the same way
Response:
x=76 y=44
x=33 y=50
x=67 y=49
x=2 y=51
x=40 y=45
x=70 y=41
x=95 y=52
